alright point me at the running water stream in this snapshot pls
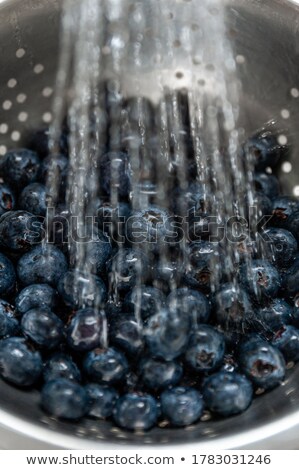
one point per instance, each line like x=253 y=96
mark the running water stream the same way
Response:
x=160 y=83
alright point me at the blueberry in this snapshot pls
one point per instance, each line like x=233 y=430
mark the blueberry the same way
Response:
x=281 y=247
x=33 y=199
x=135 y=412
x=42 y=327
x=227 y=393
x=127 y=335
x=98 y=251
x=105 y=366
x=36 y=296
x=9 y=325
x=293 y=224
x=182 y=406
x=149 y=228
x=262 y=204
x=43 y=264
x=64 y=398
x=261 y=278
x=282 y=209
x=274 y=315
x=20 y=230
x=291 y=280
x=287 y=341
x=157 y=374
x=39 y=141
x=191 y=303
x=205 y=350
x=144 y=301
x=101 y=400
x=86 y=330
x=20 y=167
x=264 y=150
x=7 y=199
x=262 y=363
x=58 y=227
x=124 y=268
x=115 y=173
x=166 y=334
x=194 y=198
x=267 y=184
x=61 y=366
x=167 y=275
x=202 y=258
x=7 y=275
x=19 y=364
x=112 y=219
x=233 y=309
x=80 y=290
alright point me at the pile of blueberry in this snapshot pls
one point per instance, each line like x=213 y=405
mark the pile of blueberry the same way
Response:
x=189 y=350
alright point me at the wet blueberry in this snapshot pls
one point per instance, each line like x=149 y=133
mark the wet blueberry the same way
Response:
x=291 y=280
x=144 y=301
x=267 y=184
x=281 y=246
x=7 y=276
x=205 y=350
x=61 y=366
x=233 y=309
x=227 y=393
x=124 y=268
x=53 y=170
x=39 y=142
x=101 y=400
x=157 y=374
x=20 y=167
x=7 y=199
x=136 y=412
x=274 y=315
x=115 y=173
x=98 y=251
x=261 y=278
x=19 y=364
x=20 y=230
x=202 y=258
x=43 y=264
x=192 y=303
x=182 y=406
x=262 y=363
x=33 y=199
x=9 y=325
x=80 y=290
x=36 y=296
x=87 y=330
x=282 y=209
x=64 y=399
x=287 y=341
x=126 y=334
x=149 y=228
x=42 y=327
x=264 y=150
x=105 y=366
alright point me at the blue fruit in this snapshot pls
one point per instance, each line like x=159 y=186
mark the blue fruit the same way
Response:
x=115 y=173
x=64 y=398
x=43 y=264
x=274 y=315
x=101 y=400
x=20 y=167
x=167 y=275
x=166 y=334
x=293 y=224
x=157 y=374
x=126 y=334
x=282 y=209
x=40 y=296
x=87 y=330
x=54 y=170
x=33 y=199
x=264 y=150
x=124 y=268
x=267 y=184
x=105 y=366
x=262 y=363
x=261 y=278
x=39 y=141
x=136 y=412
x=7 y=276
x=233 y=309
x=20 y=230
x=182 y=406
x=281 y=247
x=200 y=271
x=79 y=290
x=291 y=280
x=192 y=303
x=227 y=393
x=205 y=350
x=7 y=199
x=9 y=325
x=42 y=327
x=111 y=219
x=287 y=341
x=19 y=364
x=98 y=252
x=149 y=228
x=145 y=301
x=61 y=366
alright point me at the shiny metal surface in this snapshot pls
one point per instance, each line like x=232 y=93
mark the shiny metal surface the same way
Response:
x=265 y=35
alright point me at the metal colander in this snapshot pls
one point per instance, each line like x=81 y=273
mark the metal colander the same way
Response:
x=265 y=39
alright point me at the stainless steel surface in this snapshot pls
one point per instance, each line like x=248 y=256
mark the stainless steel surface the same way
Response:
x=265 y=36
